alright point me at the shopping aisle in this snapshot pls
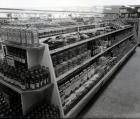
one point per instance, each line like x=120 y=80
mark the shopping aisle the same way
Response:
x=121 y=95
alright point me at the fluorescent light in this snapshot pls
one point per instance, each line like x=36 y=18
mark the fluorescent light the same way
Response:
x=126 y=5
x=108 y=8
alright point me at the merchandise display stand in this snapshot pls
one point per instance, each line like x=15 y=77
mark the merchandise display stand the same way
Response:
x=93 y=91
x=41 y=55
x=76 y=109
x=35 y=56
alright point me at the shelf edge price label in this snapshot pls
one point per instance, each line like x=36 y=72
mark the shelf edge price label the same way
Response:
x=10 y=61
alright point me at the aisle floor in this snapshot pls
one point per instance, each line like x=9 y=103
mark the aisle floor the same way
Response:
x=120 y=95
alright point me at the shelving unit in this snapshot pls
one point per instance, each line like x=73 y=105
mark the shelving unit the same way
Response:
x=65 y=30
x=93 y=91
x=43 y=56
x=29 y=97
x=87 y=61
x=76 y=109
x=19 y=90
x=84 y=41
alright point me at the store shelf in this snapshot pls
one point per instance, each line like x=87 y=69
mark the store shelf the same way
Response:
x=84 y=41
x=92 y=30
x=19 y=90
x=82 y=31
x=41 y=55
x=87 y=61
x=77 y=67
x=62 y=28
x=119 y=42
x=65 y=28
x=74 y=111
x=122 y=60
x=9 y=85
x=23 y=46
x=39 y=89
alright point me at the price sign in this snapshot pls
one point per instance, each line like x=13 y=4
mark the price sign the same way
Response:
x=10 y=61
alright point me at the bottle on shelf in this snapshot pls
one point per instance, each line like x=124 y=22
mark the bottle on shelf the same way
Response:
x=33 y=78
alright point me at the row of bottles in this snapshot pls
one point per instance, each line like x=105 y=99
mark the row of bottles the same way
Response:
x=16 y=53
x=20 y=35
x=10 y=103
x=43 y=110
x=7 y=111
x=33 y=78
x=40 y=111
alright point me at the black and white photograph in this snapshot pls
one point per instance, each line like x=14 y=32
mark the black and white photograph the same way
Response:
x=70 y=59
